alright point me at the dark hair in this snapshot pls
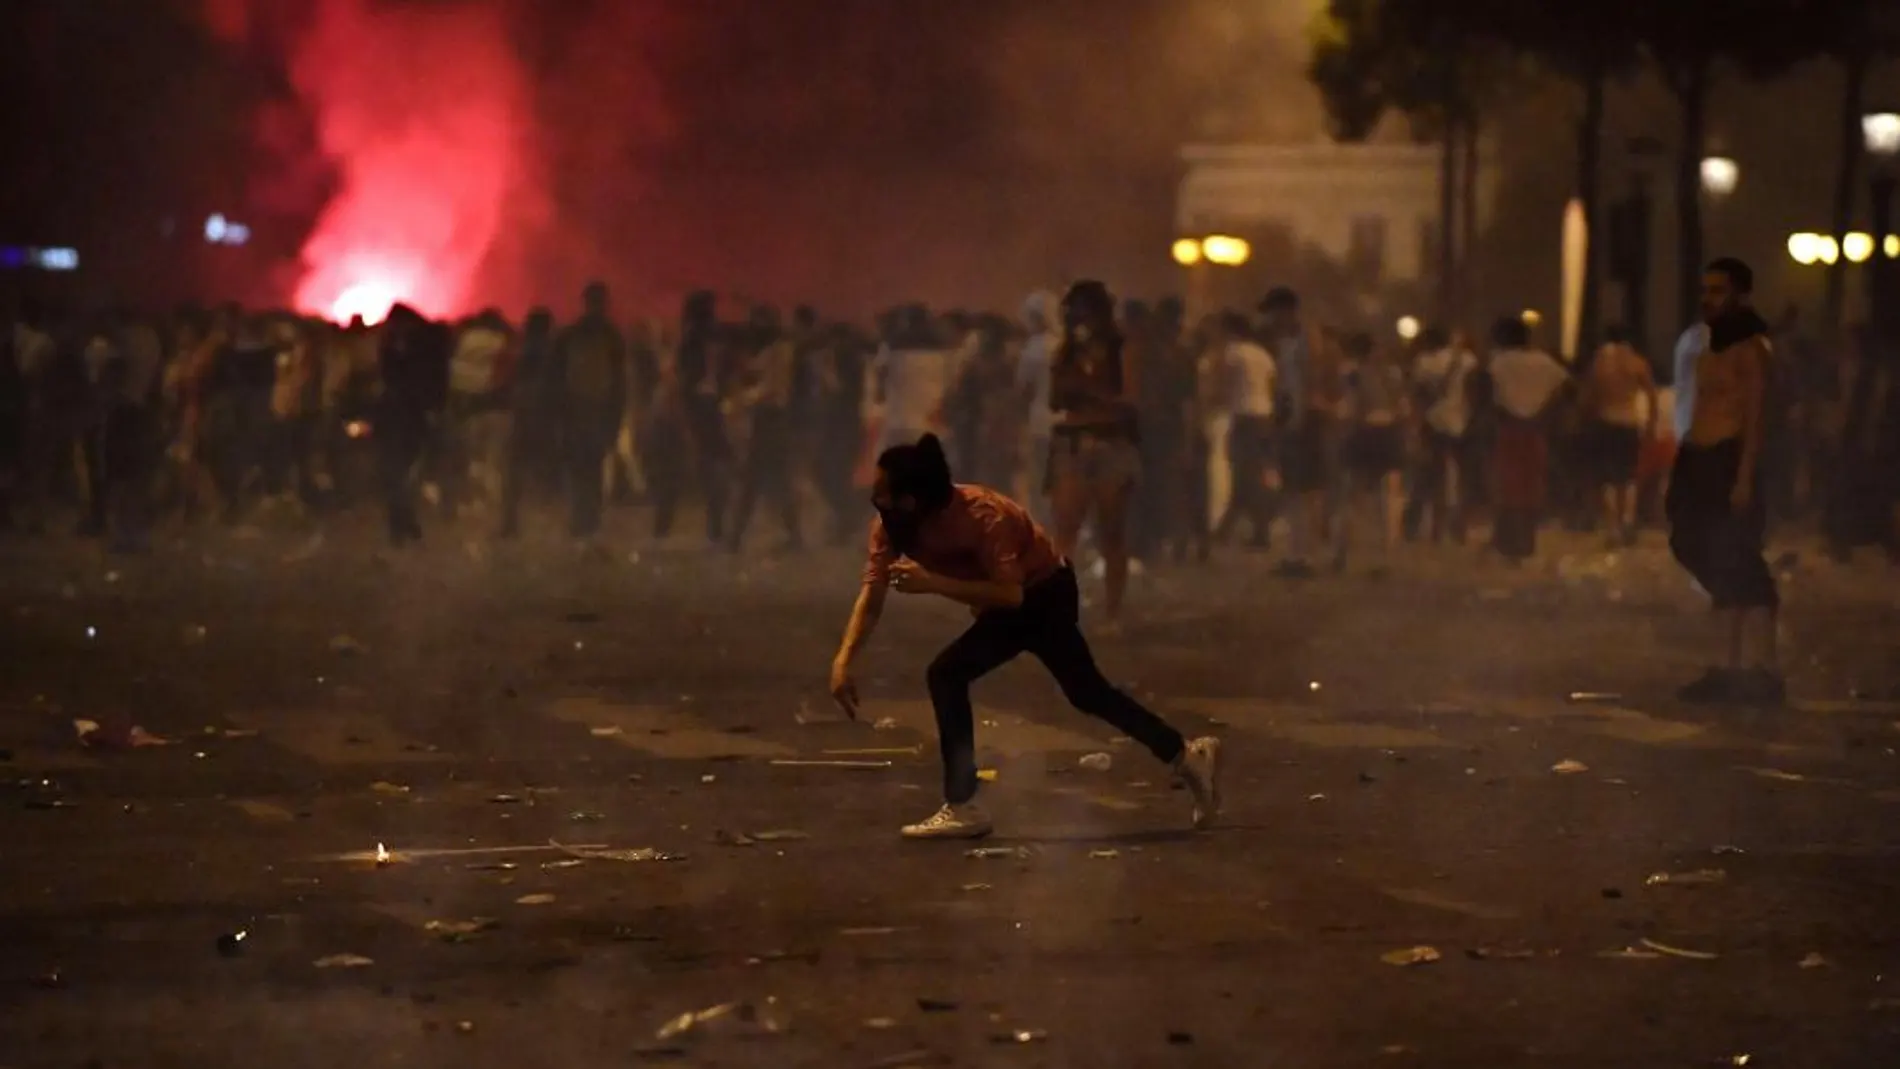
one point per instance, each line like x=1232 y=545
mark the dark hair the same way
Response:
x=1280 y=299
x=1740 y=275
x=1510 y=332
x=919 y=470
x=1091 y=300
x=1617 y=334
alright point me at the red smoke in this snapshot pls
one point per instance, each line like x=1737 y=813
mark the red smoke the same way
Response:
x=423 y=112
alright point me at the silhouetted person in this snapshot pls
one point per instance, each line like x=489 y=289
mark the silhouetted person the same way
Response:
x=766 y=397
x=702 y=386
x=414 y=361
x=592 y=357
x=532 y=431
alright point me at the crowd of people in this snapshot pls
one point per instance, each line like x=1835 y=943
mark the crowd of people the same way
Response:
x=1157 y=437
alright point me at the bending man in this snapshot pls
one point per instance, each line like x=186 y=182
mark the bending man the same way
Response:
x=974 y=546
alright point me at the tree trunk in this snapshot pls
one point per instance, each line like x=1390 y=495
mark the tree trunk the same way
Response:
x=1471 y=294
x=1847 y=173
x=1589 y=191
x=1692 y=86
x=1448 y=219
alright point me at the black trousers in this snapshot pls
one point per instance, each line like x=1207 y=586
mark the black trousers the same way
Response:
x=1721 y=547
x=1045 y=625
x=585 y=444
x=767 y=474
x=402 y=433
x=1250 y=442
x=1432 y=487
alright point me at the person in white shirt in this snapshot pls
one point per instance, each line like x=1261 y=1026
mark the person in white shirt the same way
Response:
x=1248 y=377
x=1524 y=384
x=1441 y=378
x=913 y=368
x=1619 y=406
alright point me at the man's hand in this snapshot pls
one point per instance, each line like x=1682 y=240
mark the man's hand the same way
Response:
x=1743 y=494
x=844 y=689
x=910 y=577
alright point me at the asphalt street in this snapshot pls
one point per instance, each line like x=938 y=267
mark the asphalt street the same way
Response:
x=1467 y=823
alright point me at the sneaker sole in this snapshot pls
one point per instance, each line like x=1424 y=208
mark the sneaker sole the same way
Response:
x=962 y=836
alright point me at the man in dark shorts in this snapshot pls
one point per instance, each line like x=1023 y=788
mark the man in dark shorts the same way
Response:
x=1308 y=396
x=1717 y=517
x=976 y=547
x=1619 y=401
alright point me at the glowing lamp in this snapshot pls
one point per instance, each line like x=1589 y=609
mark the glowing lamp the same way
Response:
x=1857 y=248
x=1720 y=176
x=1187 y=252
x=1880 y=133
x=1531 y=317
x=1803 y=248
x=1226 y=251
x=1891 y=246
x=1408 y=327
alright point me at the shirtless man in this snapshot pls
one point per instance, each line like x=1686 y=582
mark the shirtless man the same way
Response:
x=1619 y=401
x=1716 y=514
x=978 y=548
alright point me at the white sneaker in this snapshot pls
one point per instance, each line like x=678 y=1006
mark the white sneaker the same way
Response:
x=1199 y=768
x=967 y=821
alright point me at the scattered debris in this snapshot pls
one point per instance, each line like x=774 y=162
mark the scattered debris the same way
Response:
x=974 y=887
x=540 y=899
x=877 y=751
x=1104 y=855
x=1814 y=961
x=1096 y=762
x=1569 y=767
x=880 y=1023
x=1698 y=878
x=506 y=799
x=779 y=835
x=1776 y=774
x=465 y=1027
x=491 y=866
x=983 y=853
x=344 y=644
x=785 y=762
x=51 y=980
x=1419 y=955
x=95 y=737
x=1180 y=1039
x=385 y=787
x=461 y=931
x=607 y=732
x=639 y=853
x=1738 y=1059
x=1630 y=954
x=739 y=1019
x=231 y=944
x=732 y=838
x=886 y=723
x=937 y=1005
x=1724 y=850
x=585 y=817
x=383 y=856
x=1593 y=697
x=344 y=961
x=1316 y=797
x=564 y=863
x=1612 y=892
x=986 y=775
x=869 y=931
x=1677 y=952
x=914 y=1059
x=1021 y=1036
x=708 y=778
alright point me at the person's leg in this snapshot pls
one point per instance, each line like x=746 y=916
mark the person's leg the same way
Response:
x=1055 y=639
x=1068 y=496
x=1392 y=509
x=989 y=643
x=1111 y=535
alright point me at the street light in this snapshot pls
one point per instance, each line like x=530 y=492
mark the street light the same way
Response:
x=1880 y=133
x=1409 y=328
x=1720 y=176
x=1187 y=252
x=1226 y=251
x=1857 y=247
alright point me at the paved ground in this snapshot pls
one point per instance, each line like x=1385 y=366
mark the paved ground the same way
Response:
x=1393 y=746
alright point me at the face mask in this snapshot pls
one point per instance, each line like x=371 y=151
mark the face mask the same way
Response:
x=901 y=526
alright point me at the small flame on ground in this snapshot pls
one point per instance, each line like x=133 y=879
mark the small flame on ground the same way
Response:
x=382 y=854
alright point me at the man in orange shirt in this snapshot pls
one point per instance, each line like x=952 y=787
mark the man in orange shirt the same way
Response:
x=976 y=547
